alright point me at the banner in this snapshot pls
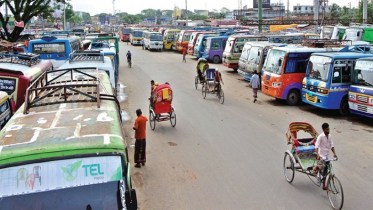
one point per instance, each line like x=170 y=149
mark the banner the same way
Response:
x=274 y=28
x=19 y=24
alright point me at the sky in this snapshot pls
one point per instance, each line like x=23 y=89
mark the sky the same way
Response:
x=94 y=7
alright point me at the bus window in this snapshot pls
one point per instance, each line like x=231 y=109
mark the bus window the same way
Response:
x=342 y=72
x=215 y=45
x=297 y=63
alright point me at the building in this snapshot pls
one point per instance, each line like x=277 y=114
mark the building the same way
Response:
x=308 y=10
x=229 y=16
x=95 y=19
x=274 y=10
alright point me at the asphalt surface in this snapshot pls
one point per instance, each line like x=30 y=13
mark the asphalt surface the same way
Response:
x=230 y=156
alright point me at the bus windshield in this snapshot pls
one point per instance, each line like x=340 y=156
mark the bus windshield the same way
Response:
x=328 y=30
x=126 y=31
x=208 y=43
x=254 y=56
x=318 y=67
x=274 y=61
x=363 y=74
x=197 y=42
x=187 y=37
x=156 y=37
x=48 y=48
x=97 y=196
x=137 y=33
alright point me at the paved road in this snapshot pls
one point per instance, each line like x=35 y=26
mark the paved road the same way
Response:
x=230 y=156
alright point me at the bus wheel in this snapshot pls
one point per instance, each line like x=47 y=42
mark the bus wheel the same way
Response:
x=293 y=98
x=344 y=108
x=216 y=59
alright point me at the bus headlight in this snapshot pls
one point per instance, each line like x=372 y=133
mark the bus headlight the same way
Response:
x=323 y=91
x=304 y=86
x=276 y=84
x=352 y=96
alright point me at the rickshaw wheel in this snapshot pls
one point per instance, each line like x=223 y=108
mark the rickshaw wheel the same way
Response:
x=204 y=90
x=173 y=117
x=196 y=82
x=335 y=192
x=221 y=96
x=289 y=170
x=152 y=120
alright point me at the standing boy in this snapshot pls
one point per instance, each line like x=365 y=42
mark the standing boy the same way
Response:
x=140 y=136
x=255 y=84
x=184 y=54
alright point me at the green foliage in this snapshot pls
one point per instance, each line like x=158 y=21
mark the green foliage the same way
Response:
x=370 y=12
x=23 y=11
x=86 y=16
x=335 y=12
x=224 y=10
x=131 y=19
x=198 y=17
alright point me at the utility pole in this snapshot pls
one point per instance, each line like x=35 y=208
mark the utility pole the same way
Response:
x=316 y=16
x=260 y=15
x=186 y=8
x=365 y=11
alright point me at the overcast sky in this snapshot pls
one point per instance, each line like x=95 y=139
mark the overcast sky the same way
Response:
x=136 y=6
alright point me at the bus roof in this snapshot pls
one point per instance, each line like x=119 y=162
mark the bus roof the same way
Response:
x=63 y=129
x=103 y=63
x=265 y=44
x=31 y=72
x=297 y=48
x=367 y=59
x=344 y=55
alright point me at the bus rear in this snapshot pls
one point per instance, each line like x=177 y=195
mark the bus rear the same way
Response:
x=169 y=38
x=284 y=70
x=214 y=48
x=360 y=93
x=125 y=34
x=193 y=40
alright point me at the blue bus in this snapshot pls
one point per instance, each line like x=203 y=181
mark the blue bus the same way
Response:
x=360 y=94
x=199 y=47
x=328 y=78
x=55 y=49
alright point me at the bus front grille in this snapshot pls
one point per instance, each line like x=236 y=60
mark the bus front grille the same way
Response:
x=312 y=99
x=312 y=88
x=362 y=99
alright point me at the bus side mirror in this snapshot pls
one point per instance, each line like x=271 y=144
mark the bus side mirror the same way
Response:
x=258 y=53
x=279 y=61
x=358 y=33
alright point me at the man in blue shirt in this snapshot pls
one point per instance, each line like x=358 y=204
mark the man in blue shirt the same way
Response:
x=255 y=84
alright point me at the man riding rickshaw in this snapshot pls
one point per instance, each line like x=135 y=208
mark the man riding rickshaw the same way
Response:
x=202 y=66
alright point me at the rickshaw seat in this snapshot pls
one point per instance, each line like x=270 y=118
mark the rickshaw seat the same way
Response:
x=210 y=73
x=305 y=149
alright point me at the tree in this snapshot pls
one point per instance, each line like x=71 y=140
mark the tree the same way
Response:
x=370 y=12
x=224 y=10
x=198 y=17
x=335 y=12
x=23 y=11
x=131 y=19
x=86 y=17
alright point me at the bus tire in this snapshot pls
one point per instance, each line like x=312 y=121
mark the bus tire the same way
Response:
x=344 y=108
x=216 y=59
x=131 y=201
x=293 y=97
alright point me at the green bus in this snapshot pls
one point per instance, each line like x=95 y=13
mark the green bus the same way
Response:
x=65 y=147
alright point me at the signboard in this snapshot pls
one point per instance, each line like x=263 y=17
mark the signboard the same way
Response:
x=265 y=4
x=46 y=48
x=54 y=175
x=8 y=85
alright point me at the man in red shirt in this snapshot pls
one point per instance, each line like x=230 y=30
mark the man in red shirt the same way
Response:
x=140 y=136
x=184 y=53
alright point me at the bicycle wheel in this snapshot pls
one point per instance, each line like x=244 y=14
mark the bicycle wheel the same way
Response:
x=289 y=170
x=335 y=192
x=221 y=96
x=152 y=120
x=173 y=117
x=196 y=82
x=204 y=91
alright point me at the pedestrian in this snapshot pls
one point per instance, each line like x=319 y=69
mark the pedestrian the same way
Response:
x=323 y=144
x=184 y=54
x=255 y=84
x=140 y=136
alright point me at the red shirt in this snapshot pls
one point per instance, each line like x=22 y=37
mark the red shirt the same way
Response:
x=140 y=126
x=184 y=51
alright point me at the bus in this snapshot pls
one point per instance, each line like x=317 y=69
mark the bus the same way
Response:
x=360 y=93
x=54 y=49
x=136 y=36
x=252 y=58
x=359 y=34
x=193 y=39
x=6 y=109
x=328 y=78
x=214 y=48
x=199 y=47
x=92 y=60
x=284 y=70
x=332 y=32
x=152 y=40
x=169 y=38
x=183 y=40
x=18 y=71
x=124 y=34
x=65 y=147
x=233 y=48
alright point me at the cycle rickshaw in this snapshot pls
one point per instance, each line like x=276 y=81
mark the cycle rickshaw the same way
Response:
x=161 y=109
x=212 y=86
x=200 y=77
x=302 y=157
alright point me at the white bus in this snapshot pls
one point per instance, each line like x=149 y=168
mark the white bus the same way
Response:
x=152 y=40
